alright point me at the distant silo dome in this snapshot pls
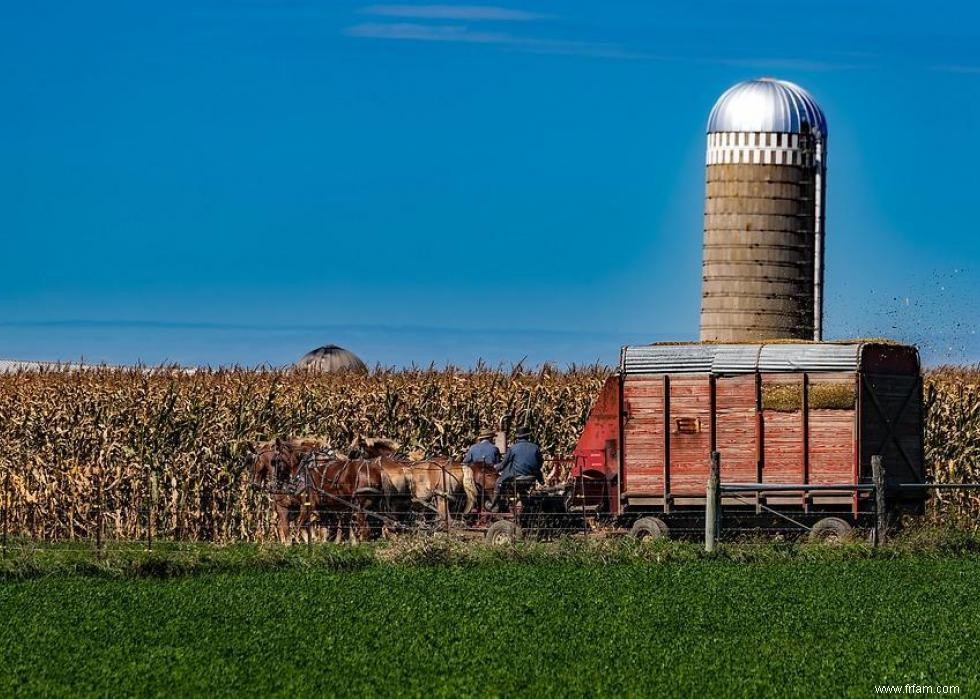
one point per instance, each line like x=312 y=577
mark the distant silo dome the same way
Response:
x=764 y=214
x=331 y=358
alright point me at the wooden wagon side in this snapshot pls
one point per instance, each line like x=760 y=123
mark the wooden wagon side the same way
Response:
x=806 y=414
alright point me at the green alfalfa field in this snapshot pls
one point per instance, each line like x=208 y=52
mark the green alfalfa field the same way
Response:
x=431 y=618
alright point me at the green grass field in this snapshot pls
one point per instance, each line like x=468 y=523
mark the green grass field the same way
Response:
x=680 y=628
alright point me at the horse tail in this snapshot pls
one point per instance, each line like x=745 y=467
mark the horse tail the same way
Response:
x=469 y=487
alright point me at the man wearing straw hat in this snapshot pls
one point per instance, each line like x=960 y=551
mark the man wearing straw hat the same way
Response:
x=484 y=451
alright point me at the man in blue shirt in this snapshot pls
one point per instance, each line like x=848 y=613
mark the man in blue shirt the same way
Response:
x=484 y=451
x=523 y=459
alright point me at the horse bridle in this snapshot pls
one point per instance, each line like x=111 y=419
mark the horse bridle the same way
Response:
x=290 y=484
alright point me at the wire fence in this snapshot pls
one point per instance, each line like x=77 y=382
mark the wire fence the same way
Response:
x=120 y=513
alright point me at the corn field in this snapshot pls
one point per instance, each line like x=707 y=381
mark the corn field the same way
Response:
x=952 y=440
x=167 y=448
x=170 y=447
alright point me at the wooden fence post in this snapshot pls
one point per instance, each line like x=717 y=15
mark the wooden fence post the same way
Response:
x=98 y=508
x=150 y=500
x=6 y=509
x=712 y=503
x=310 y=514
x=881 y=512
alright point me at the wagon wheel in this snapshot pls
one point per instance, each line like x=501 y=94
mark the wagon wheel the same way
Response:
x=649 y=528
x=503 y=531
x=831 y=530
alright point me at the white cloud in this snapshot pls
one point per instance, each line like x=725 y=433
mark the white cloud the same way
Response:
x=426 y=32
x=962 y=69
x=785 y=64
x=463 y=12
x=463 y=34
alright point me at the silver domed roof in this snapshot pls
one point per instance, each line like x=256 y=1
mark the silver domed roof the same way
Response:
x=766 y=105
x=330 y=358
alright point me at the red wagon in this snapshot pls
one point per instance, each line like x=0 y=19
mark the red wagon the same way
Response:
x=795 y=424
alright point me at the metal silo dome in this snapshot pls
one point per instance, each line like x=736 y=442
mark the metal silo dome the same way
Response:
x=766 y=105
x=763 y=260
x=330 y=358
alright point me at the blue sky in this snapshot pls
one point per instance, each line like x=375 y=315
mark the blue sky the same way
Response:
x=237 y=181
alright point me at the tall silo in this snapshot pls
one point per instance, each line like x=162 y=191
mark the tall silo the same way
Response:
x=764 y=214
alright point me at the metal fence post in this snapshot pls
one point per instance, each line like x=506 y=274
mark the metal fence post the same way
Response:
x=712 y=503
x=881 y=512
x=309 y=530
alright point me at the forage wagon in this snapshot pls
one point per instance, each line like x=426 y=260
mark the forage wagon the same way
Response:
x=795 y=426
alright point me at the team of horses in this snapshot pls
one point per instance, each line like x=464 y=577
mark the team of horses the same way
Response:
x=366 y=491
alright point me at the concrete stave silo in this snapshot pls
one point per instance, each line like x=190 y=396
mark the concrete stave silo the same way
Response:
x=763 y=229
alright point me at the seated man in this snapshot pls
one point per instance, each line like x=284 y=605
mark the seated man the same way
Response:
x=523 y=459
x=484 y=451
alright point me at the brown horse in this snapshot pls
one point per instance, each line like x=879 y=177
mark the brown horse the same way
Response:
x=371 y=496
x=311 y=483
x=372 y=447
x=274 y=467
x=485 y=479
x=436 y=486
x=340 y=491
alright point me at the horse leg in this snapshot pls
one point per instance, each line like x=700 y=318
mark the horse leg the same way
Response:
x=302 y=531
x=442 y=511
x=362 y=524
x=352 y=528
x=343 y=527
x=299 y=526
x=371 y=525
x=282 y=527
x=363 y=527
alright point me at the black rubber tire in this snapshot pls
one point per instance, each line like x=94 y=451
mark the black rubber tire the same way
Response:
x=503 y=532
x=830 y=529
x=649 y=528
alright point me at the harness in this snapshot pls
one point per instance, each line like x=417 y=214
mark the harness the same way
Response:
x=302 y=481
x=309 y=484
x=275 y=487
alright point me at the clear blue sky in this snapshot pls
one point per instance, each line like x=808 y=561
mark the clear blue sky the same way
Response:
x=240 y=180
